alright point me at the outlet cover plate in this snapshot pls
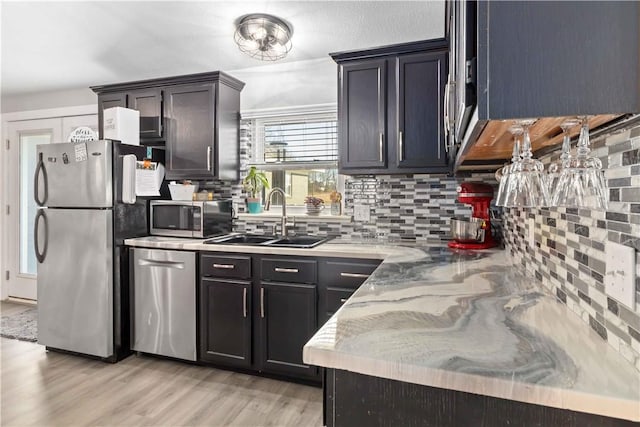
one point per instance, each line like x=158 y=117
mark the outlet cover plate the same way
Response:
x=361 y=213
x=620 y=278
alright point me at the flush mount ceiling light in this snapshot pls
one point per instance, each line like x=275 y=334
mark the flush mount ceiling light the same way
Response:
x=264 y=37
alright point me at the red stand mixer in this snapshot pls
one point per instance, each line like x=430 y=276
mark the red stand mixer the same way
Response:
x=474 y=232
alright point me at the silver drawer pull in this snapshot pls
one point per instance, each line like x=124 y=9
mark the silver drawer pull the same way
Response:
x=358 y=275
x=343 y=300
x=224 y=266
x=285 y=270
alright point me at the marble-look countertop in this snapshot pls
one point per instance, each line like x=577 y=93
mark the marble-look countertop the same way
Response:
x=364 y=249
x=469 y=321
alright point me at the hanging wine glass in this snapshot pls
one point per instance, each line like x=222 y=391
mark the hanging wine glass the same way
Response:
x=505 y=180
x=553 y=172
x=528 y=186
x=582 y=184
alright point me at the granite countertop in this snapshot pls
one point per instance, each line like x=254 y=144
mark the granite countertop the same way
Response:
x=466 y=321
x=469 y=321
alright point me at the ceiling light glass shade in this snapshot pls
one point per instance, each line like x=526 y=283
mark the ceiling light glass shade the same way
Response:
x=264 y=37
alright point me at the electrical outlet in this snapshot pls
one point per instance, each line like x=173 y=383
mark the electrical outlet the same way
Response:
x=361 y=213
x=620 y=278
x=532 y=234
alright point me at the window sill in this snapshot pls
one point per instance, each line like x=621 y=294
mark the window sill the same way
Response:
x=297 y=216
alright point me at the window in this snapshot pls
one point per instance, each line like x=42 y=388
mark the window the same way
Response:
x=299 y=154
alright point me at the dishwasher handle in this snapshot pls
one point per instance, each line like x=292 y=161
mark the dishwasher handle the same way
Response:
x=165 y=264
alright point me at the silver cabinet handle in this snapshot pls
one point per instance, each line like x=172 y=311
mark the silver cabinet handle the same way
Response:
x=400 y=146
x=224 y=266
x=285 y=270
x=166 y=264
x=381 y=143
x=358 y=275
x=209 y=158
x=262 y=302
x=244 y=302
x=343 y=300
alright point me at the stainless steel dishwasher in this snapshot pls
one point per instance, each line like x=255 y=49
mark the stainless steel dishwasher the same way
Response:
x=164 y=303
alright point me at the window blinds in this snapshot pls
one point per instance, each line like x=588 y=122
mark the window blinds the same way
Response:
x=297 y=141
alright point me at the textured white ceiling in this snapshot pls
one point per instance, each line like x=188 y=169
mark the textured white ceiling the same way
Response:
x=54 y=45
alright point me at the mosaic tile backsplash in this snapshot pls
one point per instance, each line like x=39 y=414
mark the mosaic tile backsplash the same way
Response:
x=569 y=252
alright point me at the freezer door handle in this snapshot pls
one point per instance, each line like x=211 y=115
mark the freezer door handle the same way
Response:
x=40 y=256
x=36 y=184
x=165 y=264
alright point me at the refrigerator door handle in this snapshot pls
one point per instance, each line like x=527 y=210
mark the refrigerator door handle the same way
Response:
x=40 y=256
x=36 y=185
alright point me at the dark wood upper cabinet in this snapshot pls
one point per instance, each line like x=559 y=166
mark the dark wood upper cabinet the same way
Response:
x=109 y=100
x=521 y=59
x=149 y=104
x=362 y=121
x=190 y=122
x=420 y=92
x=390 y=109
x=195 y=117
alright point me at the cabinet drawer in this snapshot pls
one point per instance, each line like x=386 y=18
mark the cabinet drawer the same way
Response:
x=336 y=297
x=232 y=266
x=347 y=274
x=289 y=270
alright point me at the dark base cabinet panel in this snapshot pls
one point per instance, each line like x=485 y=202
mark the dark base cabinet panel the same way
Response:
x=288 y=321
x=352 y=399
x=225 y=322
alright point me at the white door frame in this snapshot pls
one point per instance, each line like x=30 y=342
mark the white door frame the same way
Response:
x=22 y=285
x=4 y=176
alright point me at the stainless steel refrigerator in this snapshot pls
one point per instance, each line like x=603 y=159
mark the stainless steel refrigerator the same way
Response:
x=83 y=265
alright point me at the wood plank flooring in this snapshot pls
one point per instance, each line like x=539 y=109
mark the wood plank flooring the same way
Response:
x=47 y=388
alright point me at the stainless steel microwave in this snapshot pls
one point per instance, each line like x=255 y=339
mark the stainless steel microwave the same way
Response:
x=191 y=219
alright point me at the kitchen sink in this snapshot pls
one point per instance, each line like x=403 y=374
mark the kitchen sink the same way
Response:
x=241 y=239
x=303 y=242
x=299 y=241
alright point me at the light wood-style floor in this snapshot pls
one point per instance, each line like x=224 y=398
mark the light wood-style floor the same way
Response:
x=47 y=388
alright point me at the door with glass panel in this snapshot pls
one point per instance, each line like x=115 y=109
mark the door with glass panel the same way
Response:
x=24 y=136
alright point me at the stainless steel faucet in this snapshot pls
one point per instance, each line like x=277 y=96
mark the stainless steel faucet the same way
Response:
x=267 y=205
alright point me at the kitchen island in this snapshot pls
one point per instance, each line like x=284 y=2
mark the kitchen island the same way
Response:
x=440 y=338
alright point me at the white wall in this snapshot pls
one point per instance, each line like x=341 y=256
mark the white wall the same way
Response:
x=46 y=100
x=289 y=84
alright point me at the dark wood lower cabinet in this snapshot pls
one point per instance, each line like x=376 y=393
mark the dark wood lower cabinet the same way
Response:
x=225 y=322
x=287 y=321
x=352 y=399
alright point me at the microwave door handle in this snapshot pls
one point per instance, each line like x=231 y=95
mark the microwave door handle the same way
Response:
x=40 y=168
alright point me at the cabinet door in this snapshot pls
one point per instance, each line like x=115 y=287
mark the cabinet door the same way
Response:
x=225 y=322
x=362 y=118
x=109 y=100
x=149 y=104
x=190 y=136
x=420 y=91
x=287 y=322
